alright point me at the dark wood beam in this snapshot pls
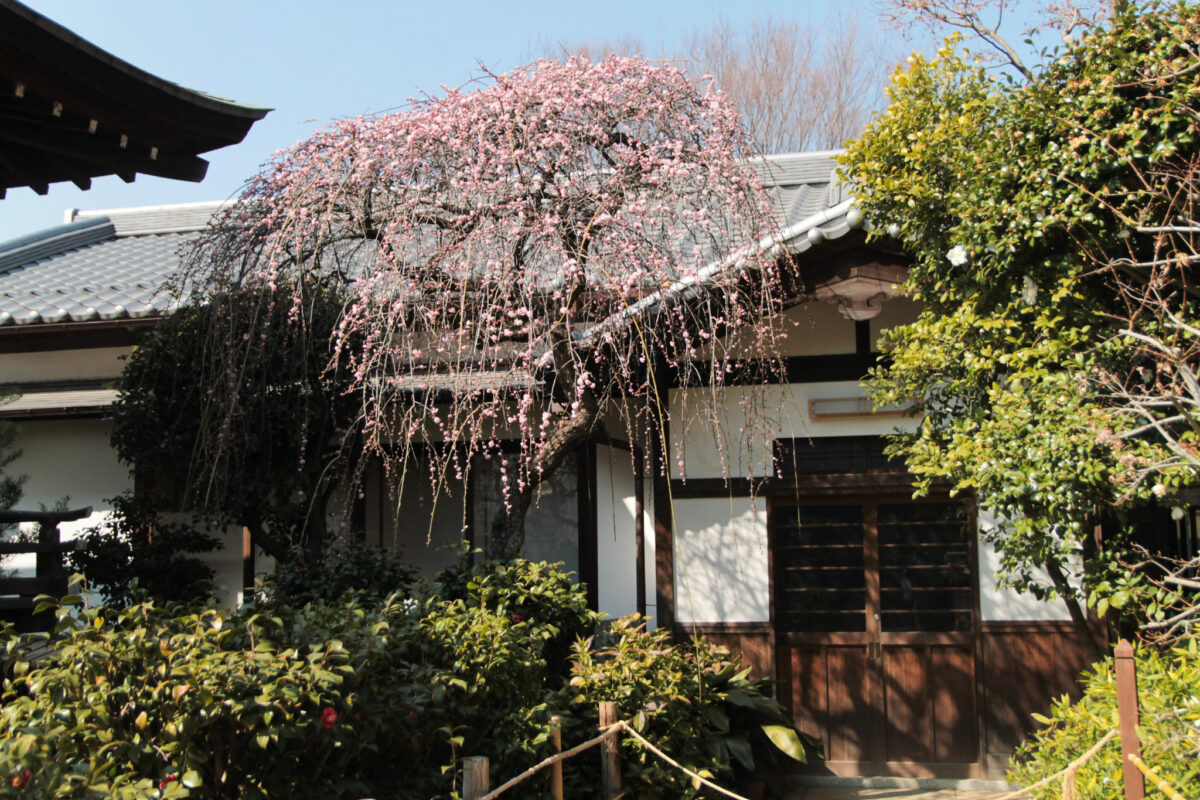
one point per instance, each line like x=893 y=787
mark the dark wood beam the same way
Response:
x=103 y=156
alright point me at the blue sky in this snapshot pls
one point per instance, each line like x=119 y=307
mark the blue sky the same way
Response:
x=318 y=61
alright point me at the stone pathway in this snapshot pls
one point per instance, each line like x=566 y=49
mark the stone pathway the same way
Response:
x=852 y=792
x=860 y=793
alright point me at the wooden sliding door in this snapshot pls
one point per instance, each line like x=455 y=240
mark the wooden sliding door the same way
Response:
x=875 y=617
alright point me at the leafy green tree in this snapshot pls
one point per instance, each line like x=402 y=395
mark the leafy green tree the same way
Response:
x=1168 y=718
x=10 y=485
x=1022 y=202
x=270 y=459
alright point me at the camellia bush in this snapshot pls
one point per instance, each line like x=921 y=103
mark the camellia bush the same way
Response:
x=1169 y=717
x=348 y=699
x=347 y=567
x=1032 y=208
x=691 y=701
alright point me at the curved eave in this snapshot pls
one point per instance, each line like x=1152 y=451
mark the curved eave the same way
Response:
x=71 y=111
x=829 y=223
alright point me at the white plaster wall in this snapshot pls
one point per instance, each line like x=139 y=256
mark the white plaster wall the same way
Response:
x=650 y=564
x=226 y=564
x=1003 y=604
x=782 y=413
x=71 y=459
x=62 y=365
x=721 y=562
x=616 y=532
x=817 y=329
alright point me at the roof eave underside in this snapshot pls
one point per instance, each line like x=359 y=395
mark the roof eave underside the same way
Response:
x=71 y=111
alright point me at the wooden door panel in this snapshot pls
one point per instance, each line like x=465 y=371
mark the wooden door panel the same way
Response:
x=809 y=691
x=831 y=698
x=929 y=694
x=956 y=730
x=851 y=719
x=908 y=718
x=874 y=603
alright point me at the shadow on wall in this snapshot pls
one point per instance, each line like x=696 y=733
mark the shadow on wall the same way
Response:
x=721 y=572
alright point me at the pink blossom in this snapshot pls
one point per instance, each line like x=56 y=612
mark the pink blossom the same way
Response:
x=531 y=244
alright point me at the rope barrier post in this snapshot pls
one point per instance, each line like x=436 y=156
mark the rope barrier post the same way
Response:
x=475 y=777
x=1127 y=712
x=610 y=753
x=556 y=783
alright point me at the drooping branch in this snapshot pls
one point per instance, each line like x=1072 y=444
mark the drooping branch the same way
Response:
x=505 y=224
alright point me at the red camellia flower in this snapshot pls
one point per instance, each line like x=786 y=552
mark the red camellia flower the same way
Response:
x=517 y=618
x=167 y=781
x=329 y=718
x=22 y=780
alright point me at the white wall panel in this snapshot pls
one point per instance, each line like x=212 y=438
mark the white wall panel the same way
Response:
x=69 y=459
x=650 y=562
x=729 y=444
x=427 y=528
x=721 y=572
x=616 y=532
x=93 y=363
x=73 y=459
x=1003 y=604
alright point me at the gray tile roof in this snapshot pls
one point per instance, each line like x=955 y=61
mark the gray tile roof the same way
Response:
x=101 y=266
x=110 y=265
x=805 y=188
x=41 y=401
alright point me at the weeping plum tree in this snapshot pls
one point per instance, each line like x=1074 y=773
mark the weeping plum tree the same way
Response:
x=522 y=260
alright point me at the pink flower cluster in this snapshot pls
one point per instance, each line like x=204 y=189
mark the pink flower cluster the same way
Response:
x=519 y=255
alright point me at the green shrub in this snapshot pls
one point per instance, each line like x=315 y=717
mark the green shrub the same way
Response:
x=691 y=701
x=368 y=572
x=362 y=699
x=1169 y=701
x=137 y=553
x=346 y=699
x=130 y=699
x=540 y=596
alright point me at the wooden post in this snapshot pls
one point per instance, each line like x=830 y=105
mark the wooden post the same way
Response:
x=610 y=753
x=475 y=777
x=247 y=567
x=1127 y=712
x=556 y=783
x=49 y=564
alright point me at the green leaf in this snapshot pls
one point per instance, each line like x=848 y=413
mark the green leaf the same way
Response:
x=740 y=698
x=786 y=740
x=191 y=779
x=739 y=746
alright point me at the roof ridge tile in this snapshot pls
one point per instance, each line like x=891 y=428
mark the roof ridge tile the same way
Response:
x=54 y=241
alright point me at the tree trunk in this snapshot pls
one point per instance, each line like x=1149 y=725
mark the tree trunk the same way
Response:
x=267 y=542
x=1087 y=637
x=507 y=535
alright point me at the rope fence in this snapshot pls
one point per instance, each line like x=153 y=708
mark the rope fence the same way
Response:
x=1159 y=783
x=557 y=758
x=1136 y=771
x=475 y=770
x=1067 y=773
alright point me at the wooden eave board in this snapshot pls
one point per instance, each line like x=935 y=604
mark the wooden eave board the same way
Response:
x=97 y=115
